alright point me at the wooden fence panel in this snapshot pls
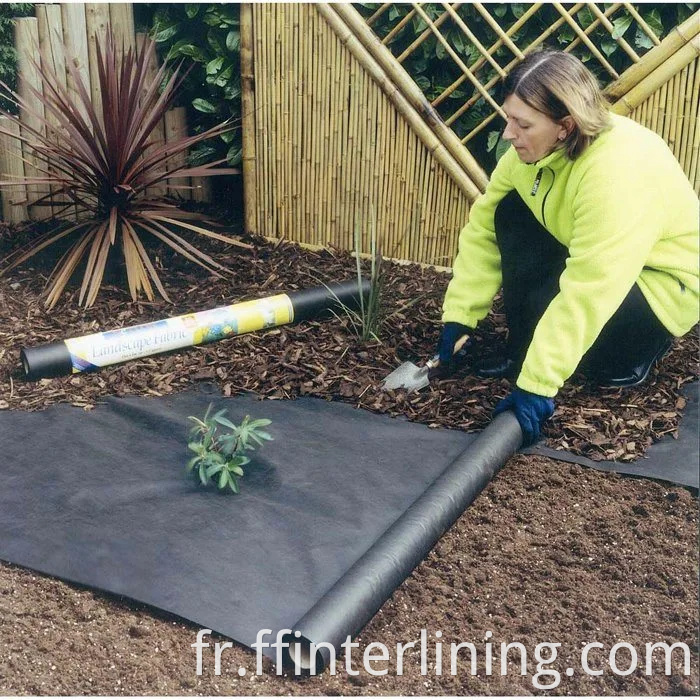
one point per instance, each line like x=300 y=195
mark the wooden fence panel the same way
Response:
x=70 y=30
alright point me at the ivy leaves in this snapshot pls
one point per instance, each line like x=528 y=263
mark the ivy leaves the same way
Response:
x=209 y=36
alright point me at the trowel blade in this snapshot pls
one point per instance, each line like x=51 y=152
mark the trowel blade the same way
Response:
x=408 y=376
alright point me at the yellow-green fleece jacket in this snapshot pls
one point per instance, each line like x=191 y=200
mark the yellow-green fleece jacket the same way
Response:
x=626 y=213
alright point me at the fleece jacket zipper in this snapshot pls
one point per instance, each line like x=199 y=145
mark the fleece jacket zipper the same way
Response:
x=536 y=186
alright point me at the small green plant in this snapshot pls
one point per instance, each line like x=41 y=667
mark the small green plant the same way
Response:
x=366 y=322
x=219 y=455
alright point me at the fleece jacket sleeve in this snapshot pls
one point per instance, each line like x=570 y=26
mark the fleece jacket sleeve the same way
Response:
x=476 y=273
x=611 y=240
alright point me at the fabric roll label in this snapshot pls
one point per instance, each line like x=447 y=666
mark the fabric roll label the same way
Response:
x=101 y=349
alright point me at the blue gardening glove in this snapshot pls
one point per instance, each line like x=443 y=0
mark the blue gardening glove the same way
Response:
x=531 y=410
x=451 y=333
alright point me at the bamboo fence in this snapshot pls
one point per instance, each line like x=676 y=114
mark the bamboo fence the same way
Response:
x=70 y=30
x=337 y=133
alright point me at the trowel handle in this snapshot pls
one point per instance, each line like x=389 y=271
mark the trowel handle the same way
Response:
x=434 y=362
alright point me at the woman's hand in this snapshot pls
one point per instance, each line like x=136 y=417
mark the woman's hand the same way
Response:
x=531 y=410
x=451 y=333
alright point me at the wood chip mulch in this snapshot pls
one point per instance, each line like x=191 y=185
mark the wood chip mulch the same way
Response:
x=317 y=358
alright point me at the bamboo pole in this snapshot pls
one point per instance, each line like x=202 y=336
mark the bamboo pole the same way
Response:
x=352 y=146
x=504 y=36
x=343 y=150
x=677 y=111
x=308 y=150
x=157 y=137
x=318 y=111
x=96 y=23
x=76 y=47
x=684 y=125
x=369 y=147
x=662 y=74
x=655 y=111
x=426 y=121
x=248 y=116
x=288 y=115
x=428 y=232
x=285 y=58
x=405 y=192
x=261 y=84
x=672 y=91
x=692 y=121
x=277 y=126
x=676 y=39
x=380 y=183
x=643 y=25
x=662 y=108
x=175 y=129
x=693 y=171
x=406 y=19
x=329 y=114
x=14 y=209
x=53 y=60
x=258 y=117
x=297 y=122
x=642 y=111
x=593 y=25
x=26 y=35
x=371 y=20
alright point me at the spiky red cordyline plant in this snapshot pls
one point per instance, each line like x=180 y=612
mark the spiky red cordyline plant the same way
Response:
x=99 y=169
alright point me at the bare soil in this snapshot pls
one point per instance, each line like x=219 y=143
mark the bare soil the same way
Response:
x=549 y=552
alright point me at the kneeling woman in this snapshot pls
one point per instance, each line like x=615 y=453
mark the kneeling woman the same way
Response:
x=591 y=227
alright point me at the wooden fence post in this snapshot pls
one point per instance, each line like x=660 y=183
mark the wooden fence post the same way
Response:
x=27 y=43
x=175 y=129
x=11 y=166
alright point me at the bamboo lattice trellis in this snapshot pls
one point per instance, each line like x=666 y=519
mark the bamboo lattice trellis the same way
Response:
x=336 y=132
x=491 y=59
x=71 y=29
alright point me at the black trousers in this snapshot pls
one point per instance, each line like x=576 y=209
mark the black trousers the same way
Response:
x=532 y=261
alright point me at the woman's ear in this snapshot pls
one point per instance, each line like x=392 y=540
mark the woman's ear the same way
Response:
x=567 y=125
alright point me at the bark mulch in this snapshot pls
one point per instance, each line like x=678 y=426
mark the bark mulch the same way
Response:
x=549 y=552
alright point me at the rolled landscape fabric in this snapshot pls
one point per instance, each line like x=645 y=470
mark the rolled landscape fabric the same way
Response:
x=90 y=352
x=345 y=609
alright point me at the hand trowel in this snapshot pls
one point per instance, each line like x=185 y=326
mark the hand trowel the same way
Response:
x=414 y=378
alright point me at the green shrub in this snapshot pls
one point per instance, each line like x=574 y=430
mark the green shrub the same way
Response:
x=220 y=456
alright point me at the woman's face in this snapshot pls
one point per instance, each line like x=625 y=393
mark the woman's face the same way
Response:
x=532 y=133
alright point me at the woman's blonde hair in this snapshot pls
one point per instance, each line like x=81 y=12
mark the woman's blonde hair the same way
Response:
x=559 y=85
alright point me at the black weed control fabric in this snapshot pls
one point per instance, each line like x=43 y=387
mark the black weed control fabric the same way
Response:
x=332 y=516
x=102 y=498
x=676 y=460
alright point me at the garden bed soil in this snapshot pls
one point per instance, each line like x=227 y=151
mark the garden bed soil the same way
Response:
x=549 y=552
